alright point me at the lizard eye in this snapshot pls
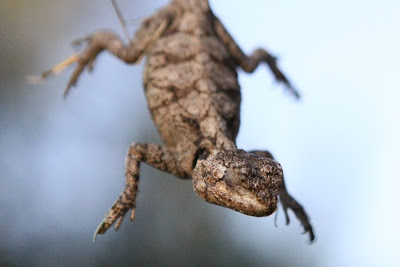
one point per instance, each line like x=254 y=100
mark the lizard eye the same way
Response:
x=232 y=179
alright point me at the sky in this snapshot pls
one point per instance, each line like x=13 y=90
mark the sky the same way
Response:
x=62 y=161
x=340 y=143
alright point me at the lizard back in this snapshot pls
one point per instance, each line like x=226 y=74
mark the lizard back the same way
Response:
x=191 y=86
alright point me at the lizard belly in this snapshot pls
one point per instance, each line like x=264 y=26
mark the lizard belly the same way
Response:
x=192 y=95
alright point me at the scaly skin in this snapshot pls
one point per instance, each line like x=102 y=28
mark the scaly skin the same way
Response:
x=193 y=94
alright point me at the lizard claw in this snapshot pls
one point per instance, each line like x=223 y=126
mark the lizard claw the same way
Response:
x=117 y=213
x=287 y=218
x=292 y=91
x=86 y=60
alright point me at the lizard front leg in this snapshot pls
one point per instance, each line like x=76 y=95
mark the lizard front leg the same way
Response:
x=250 y=63
x=288 y=202
x=155 y=156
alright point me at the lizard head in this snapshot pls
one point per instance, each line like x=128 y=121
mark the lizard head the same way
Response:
x=240 y=181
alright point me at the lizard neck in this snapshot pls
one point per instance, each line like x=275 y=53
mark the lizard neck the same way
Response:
x=220 y=143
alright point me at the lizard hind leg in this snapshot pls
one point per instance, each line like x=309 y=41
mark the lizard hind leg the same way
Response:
x=288 y=202
x=150 y=30
x=95 y=44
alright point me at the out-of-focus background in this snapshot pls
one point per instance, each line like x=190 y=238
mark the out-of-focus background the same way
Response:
x=62 y=162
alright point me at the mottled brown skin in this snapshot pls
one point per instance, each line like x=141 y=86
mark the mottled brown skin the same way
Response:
x=193 y=94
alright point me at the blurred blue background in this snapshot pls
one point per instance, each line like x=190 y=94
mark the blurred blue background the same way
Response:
x=62 y=162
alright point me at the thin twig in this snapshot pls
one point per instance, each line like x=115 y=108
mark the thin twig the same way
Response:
x=121 y=19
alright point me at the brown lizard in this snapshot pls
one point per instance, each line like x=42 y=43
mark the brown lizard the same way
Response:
x=191 y=85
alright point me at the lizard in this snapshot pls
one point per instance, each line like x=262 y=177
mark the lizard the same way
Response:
x=191 y=84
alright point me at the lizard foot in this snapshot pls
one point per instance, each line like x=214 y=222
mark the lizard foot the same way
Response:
x=84 y=59
x=288 y=202
x=124 y=203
